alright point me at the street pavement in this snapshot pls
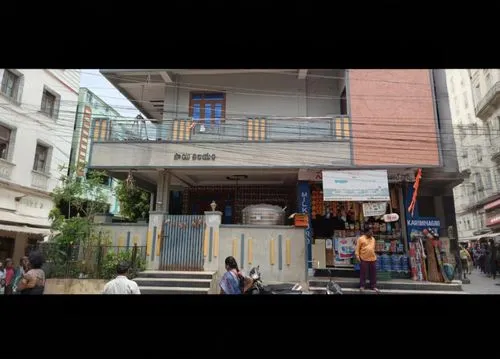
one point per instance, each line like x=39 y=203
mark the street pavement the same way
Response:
x=481 y=284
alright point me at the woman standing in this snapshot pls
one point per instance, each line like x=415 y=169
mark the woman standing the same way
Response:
x=2 y=278
x=10 y=275
x=231 y=280
x=33 y=282
x=365 y=254
x=23 y=268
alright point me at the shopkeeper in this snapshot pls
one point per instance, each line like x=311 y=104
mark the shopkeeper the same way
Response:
x=365 y=253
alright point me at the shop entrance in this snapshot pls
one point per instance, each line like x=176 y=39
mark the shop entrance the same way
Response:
x=6 y=247
x=336 y=226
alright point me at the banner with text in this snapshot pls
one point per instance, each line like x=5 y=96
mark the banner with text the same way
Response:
x=359 y=186
x=304 y=206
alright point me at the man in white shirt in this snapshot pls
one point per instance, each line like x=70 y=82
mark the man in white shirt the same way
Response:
x=121 y=284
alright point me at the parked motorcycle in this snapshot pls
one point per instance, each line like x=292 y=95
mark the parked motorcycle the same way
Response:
x=254 y=286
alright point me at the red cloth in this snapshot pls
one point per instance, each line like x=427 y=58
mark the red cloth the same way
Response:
x=9 y=276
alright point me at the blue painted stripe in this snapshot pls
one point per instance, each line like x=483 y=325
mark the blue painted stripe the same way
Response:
x=128 y=239
x=280 y=252
x=153 y=247
x=242 y=260
x=210 y=244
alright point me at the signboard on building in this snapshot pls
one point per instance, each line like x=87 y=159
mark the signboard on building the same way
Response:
x=304 y=206
x=359 y=186
x=394 y=176
x=416 y=226
x=374 y=209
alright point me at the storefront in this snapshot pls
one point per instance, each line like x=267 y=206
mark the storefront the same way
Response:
x=342 y=203
x=492 y=211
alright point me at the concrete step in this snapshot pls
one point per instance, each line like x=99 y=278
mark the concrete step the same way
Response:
x=173 y=282
x=176 y=274
x=395 y=284
x=352 y=291
x=173 y=290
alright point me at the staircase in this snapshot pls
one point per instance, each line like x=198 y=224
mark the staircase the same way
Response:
x=169 y=282
x=317 y=285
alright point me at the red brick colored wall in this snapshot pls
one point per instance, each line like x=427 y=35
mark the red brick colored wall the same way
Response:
x=393 y=118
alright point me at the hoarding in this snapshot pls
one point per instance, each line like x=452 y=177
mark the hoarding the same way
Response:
x=358 y=186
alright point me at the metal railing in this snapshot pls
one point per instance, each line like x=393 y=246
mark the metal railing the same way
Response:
x=96 y=262
x=231 y=129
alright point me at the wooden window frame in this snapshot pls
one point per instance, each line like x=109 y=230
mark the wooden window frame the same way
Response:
x=46 y=160
x=202 y=103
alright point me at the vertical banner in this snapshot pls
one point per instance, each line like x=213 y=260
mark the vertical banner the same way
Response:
x=304 y=206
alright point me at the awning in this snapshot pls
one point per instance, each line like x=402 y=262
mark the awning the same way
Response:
x=481 y=236
x=25 y=229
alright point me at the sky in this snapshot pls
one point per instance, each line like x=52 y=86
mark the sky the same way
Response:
x=95 y=82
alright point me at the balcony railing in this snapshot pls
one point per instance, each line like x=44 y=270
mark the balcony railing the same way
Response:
x=336 y=128
x=6 y=169
x=39 y=180
x=489 y=102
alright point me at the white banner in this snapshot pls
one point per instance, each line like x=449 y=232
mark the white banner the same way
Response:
x=360 y=186
x=374 y=209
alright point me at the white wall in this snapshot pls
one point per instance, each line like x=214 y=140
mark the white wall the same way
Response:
x=266 y=94
x=31 y=126
x=476 y=134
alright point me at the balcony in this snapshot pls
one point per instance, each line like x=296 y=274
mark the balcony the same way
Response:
x=231 y=130
x=6 y=169
x=249 y=142
x=488 y=104
x=39 y=180
x=495 y=153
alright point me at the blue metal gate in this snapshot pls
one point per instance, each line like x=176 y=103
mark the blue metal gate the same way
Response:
x=182 y=245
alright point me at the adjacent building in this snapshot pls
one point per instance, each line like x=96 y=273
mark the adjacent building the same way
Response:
x=93 y=119
x=37 y=114
x=244 y=137
x=474 y=102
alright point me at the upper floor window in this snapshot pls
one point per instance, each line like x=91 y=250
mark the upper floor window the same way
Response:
x=488 y=80
x=5 y=134
x=208 y=106
x=10 y=84
x=49 y=103
x=41 y=158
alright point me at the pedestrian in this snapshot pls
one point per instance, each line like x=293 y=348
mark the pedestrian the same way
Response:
x=365 y=254
x=10 y=275
x=231 y=282
x=33 y=281
x=493 y=259
x=20 y=270
x=121 y=284
x=2 y=279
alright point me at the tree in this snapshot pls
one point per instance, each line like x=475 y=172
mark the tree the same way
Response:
x=134 y=201
x=83 y=197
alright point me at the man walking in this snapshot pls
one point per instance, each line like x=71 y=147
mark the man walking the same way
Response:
x=121 y=284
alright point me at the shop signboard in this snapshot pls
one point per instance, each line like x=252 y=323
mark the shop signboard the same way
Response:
x=416 y=226
x=304 y=206
x=358 y=186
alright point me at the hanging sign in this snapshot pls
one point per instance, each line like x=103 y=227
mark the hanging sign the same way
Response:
x=391 y=217
x=374 y=209
x=358 y=186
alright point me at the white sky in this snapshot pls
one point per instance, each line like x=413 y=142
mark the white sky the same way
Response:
x=95 y=82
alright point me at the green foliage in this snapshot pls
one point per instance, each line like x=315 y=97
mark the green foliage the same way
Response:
x=86 y=195
x=134 y=202
x=112 y=259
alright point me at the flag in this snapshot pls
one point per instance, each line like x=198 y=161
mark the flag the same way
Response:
x=411 y=207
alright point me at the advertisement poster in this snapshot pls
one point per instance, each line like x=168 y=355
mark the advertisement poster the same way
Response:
x=359 y=186
x=346 y=247
x=374 y=209
x=304 y=206
x=415 y=226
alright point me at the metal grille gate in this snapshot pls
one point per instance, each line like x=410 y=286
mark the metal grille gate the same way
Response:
x=182 y=245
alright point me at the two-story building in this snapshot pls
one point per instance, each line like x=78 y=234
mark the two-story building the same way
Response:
x=244 y=137
x=37 y=114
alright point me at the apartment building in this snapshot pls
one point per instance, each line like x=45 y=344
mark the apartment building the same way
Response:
x=244 y=137
x=37 y=114
x=92 y=118
x=477 y=134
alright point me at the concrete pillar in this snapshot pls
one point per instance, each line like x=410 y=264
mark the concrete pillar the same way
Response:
x=211 y=258
x=402 y=219
x=439 y=208
x=163 y=191
x=154 y=239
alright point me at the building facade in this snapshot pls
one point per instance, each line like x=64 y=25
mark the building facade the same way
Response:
x=243 y=137
x=477 y=134
x=92 y=118
x=37 y=113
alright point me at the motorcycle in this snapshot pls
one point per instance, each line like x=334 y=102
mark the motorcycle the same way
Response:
x=253 y=285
